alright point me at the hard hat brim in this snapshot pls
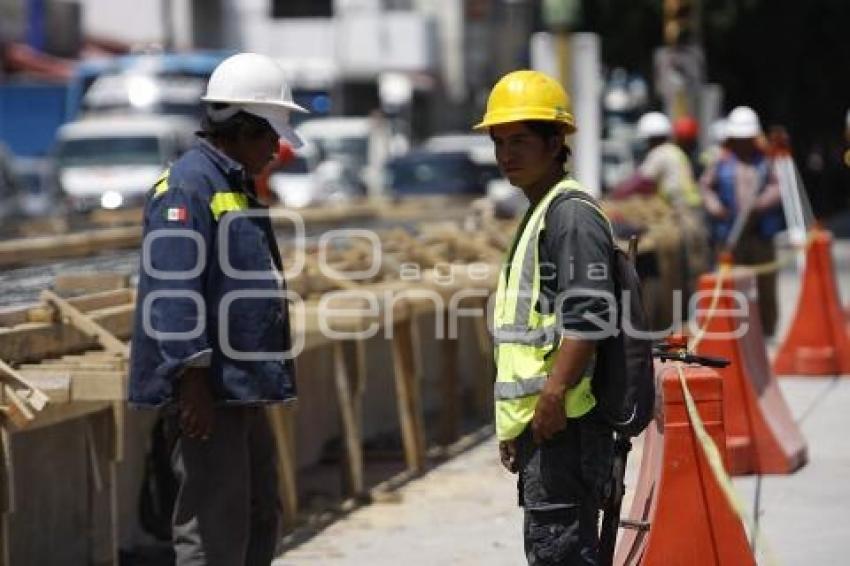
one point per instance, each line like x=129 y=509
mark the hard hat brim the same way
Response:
x=486 y=123
x=251 y=102
x=278 y=118
x=741 y=132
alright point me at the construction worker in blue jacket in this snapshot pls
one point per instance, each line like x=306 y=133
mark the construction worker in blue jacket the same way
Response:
x=211 y=339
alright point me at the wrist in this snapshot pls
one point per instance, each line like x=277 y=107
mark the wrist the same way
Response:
x=555 y=387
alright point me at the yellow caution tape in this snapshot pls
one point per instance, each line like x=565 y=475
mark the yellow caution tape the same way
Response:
x=722 y=272
x=777 y=264
x=715 y=464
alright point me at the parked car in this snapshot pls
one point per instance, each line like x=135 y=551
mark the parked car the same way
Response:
x=435 y=173
x=111 y=161
x=9 y=186
x=507 y=200
x=478 y=146
x=617 y=163
x=37 y=197
x=304 y=179
x=364 y=143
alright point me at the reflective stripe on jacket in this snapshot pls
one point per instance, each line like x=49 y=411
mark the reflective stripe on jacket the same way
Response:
x=208 y=292
x=526 y=340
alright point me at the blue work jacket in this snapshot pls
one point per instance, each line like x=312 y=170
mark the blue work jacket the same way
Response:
x=210 y=291
x=768 y=222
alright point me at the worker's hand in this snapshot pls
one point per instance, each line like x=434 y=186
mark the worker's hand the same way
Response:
x=196 y=403
x=507 y=453
x=716 y=210
x=549 y=414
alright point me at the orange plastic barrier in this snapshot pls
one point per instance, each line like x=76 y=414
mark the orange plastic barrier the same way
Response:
x=817 y=342
x=690 y=521
x=761 y=435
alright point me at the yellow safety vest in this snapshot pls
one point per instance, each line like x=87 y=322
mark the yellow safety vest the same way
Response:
x=527 y=341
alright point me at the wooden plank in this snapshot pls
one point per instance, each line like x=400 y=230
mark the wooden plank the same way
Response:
x=85 y=384
x=448 y=385
x=56 y=385
x=109 y=342
x=350 y=425
x=66 y=365
x=64 y=412
x=34 y=398
x=13 y=316
x=90 y=282
x=117 y=217
x=484 y=382
x=98 y=385
x=409 y=408
x=15 y=409
x=7 y=487
x=81 y=244
x=281 y=421
x=102 y=300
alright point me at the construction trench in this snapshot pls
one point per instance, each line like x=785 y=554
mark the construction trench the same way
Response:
x=387 y=389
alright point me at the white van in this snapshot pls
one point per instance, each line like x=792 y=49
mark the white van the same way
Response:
x=361 y=142
x=112 y=161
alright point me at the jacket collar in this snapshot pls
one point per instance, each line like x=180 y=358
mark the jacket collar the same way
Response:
x=231 y=168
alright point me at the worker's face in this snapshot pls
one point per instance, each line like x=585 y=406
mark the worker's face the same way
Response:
x=256 y=146
x=524 y=157
x=742 y=147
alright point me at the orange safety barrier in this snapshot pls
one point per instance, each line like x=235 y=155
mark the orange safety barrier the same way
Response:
x=687 y=518
x=817 y=342
x=761 y=434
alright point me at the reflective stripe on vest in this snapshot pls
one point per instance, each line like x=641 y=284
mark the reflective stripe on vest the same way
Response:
x=161 y=184
x=526 y=340
x=227 y=202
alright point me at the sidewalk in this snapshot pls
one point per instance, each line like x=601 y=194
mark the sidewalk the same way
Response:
x=464 y=512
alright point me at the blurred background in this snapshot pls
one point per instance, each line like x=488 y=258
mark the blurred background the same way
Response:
x=97 y=95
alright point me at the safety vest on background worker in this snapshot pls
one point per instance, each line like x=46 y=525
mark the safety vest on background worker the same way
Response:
x=526 y=339
x=676 y=183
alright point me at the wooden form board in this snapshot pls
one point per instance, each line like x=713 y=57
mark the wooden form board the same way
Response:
x=81 y=244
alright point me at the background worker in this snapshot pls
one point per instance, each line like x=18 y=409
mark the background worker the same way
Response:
x=716 y=145
x=666 y=171
x=554 y=279
x=214 y=362
x=743 y=199
x=686 y=136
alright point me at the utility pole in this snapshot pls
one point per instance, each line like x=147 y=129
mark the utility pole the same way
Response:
x=679 y=65
x=167 y=9
x=561 y=17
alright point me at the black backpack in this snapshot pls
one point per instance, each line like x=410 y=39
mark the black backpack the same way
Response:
x=624 y=379
x=623 y=384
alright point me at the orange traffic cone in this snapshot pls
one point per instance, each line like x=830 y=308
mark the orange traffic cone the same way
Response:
x=681 y=514
x=817 y=341
x=761 y=435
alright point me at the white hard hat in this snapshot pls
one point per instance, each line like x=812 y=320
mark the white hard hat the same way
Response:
x=254 y=84
x=743 y=122
x=654 y=125
x=717 y=131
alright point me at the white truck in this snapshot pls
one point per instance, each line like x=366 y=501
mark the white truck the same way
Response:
x=109 y=161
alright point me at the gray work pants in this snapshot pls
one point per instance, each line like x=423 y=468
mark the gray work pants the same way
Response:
x=227 y=511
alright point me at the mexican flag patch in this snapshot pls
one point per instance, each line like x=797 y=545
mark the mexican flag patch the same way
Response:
x=176 y=214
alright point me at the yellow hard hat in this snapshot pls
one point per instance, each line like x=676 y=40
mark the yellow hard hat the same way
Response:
x=527 y=95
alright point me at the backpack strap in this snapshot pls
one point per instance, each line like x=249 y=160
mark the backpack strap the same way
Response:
x=588 y=200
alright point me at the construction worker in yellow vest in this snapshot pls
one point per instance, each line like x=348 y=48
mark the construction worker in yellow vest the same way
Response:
x=554 y=301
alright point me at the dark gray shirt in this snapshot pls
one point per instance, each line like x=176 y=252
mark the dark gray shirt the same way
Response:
x=576 y=278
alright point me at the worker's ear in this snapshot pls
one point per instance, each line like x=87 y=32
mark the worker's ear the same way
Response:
x=556 y=142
